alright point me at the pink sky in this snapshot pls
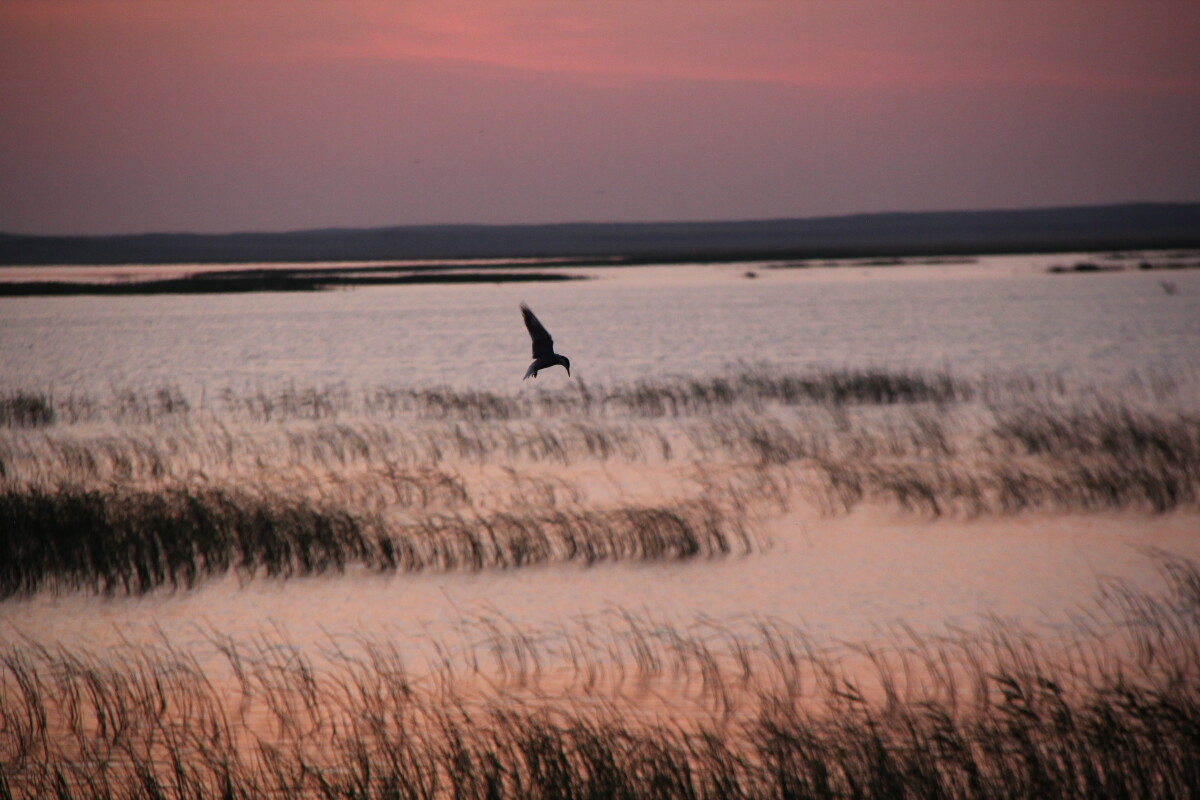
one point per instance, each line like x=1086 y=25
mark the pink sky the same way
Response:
x=164 y=115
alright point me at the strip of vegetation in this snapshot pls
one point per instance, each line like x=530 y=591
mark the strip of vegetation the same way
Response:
x=861 y=436
x=135 y=541
x=942 y=489
x=875 y=262
x=131 y=542
x=347 y=503
x=1113 y=713
x=1114 y=429
x=265 y=281
x=25 y=409
x=407 y=266
x=1084 y=266
x=665 y=397
x=376 y=479
x=1091 y=266
x=1069 y=458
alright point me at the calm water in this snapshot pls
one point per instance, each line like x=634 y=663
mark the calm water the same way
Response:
x=842 y=578
x=1000 y=314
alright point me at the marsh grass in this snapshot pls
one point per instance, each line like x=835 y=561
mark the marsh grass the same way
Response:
x=25 y=409
x=743 y=386
x=144 y=490
x=140 y=490
x=132 y=542
x=1116 y=430
x=628 y=707
x=135 y=541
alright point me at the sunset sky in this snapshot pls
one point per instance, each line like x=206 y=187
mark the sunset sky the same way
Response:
x=163 y=115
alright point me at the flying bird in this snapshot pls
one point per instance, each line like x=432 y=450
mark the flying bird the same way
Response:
x=544 y=356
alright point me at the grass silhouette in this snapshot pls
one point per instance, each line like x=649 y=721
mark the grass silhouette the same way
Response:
x=632 y=709
x=137 y=490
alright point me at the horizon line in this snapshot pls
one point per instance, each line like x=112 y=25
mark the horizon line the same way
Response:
x=593 y=223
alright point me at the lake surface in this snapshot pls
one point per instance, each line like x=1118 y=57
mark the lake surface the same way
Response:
x=1000 y=314
x=843 y=578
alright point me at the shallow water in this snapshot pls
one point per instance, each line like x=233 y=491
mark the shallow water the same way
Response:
x=1001 y=314
x=841 y=578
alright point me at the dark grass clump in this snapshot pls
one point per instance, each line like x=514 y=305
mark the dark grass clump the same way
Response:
x=23 y=409
x=132 y=542
x=511 y=539
x=1110 y=429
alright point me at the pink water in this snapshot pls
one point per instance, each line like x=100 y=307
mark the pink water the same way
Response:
x=841 y=578
x=1000 y=314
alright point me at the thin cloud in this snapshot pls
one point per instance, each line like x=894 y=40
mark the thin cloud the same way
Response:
x=839 y=45
x=1092 y=44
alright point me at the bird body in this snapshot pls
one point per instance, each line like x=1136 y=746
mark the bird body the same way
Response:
x=544 y=356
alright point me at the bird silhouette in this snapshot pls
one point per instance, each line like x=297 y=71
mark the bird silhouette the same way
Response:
x=544 y=356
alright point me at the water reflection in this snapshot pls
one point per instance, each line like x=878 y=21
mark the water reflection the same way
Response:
x=626 y=322
x=841 y=577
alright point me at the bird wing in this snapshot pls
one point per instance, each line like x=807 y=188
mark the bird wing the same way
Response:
x=543 y=345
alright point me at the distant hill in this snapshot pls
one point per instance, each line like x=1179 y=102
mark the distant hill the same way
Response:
x=1083 y=228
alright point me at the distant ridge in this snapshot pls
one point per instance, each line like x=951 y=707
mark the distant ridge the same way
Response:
x=1122 y=227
